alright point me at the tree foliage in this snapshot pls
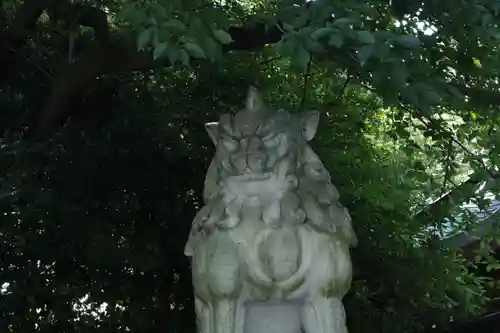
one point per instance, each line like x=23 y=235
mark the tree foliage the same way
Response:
x=103 y=152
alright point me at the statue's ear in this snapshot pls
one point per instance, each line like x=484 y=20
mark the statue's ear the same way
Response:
x=213 y=131
x=310 y=121
x=254 y=100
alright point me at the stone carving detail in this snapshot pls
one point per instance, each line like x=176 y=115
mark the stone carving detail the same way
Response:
x=272 y=240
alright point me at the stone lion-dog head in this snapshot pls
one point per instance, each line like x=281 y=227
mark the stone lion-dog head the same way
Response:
x=263 y=166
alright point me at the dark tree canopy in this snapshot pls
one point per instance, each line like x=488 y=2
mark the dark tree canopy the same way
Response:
x=103 y=150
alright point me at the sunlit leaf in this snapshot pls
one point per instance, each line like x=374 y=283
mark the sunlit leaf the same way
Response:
x=477 y=62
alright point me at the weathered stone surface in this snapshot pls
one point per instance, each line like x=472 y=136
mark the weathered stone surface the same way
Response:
x=270 y=247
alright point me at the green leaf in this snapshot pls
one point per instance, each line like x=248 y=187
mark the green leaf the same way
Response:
x=336 y=40
x=312 y=45
x=212 y=49
x=144 y=38
x=384 y=35
x=159 y=10
x=287 y=45
x=493 y=266
x=301 y=19
x=173 y=54
x=127 y=12
x=455 y=92
x=132 y=14
x=486 y=19
x=365 y=37
x=477 y=62
x=196 y=23
x=159 y=49
x=151 y=20
x=321 y=33
x=399 y=73
x=222 y=36
x=287 y=27
x=343 y=21
x=184 y=56
x=194 y=50
x=365 y=53
x=430 y=96
x=176 y=24
x=408 y=41
x=301 y=57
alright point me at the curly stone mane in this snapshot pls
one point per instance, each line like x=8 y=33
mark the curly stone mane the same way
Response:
x=258 y=151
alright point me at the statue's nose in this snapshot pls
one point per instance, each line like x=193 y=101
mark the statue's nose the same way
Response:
x=251 y=156
x=256 y=156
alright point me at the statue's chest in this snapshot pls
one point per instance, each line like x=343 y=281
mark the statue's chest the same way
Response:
x=271 y=253
x=253 y=232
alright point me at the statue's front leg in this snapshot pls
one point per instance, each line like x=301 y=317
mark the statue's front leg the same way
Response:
x=329 y=280
x=224 y=315
x=204 y=316
x=224 y=281
x=225 y=311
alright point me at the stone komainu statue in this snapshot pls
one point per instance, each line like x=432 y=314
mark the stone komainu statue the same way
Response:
x=272 y=230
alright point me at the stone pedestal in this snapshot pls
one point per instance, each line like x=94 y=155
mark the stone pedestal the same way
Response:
x=272 y=317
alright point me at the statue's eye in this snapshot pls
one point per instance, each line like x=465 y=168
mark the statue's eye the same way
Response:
x=229 y=143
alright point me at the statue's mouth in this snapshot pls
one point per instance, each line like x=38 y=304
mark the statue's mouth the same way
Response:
x=248 y=177
x=267 y=186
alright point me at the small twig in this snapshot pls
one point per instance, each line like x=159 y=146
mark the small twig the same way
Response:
x=344 y=86
x=213 y=81
x=306 y=83
x=447 y=173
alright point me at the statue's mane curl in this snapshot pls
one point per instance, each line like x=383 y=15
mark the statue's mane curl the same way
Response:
x=310 y=197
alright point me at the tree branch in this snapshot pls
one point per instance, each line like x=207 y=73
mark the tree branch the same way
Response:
x=29 y=12
x=254 y=36
x=118 y=58
x=3 y=21
x=69 y=87
x=441 y=208
x=479 y=96
x=76 y=15
x=26 y=17
x=112 y=57
x=12 y=39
